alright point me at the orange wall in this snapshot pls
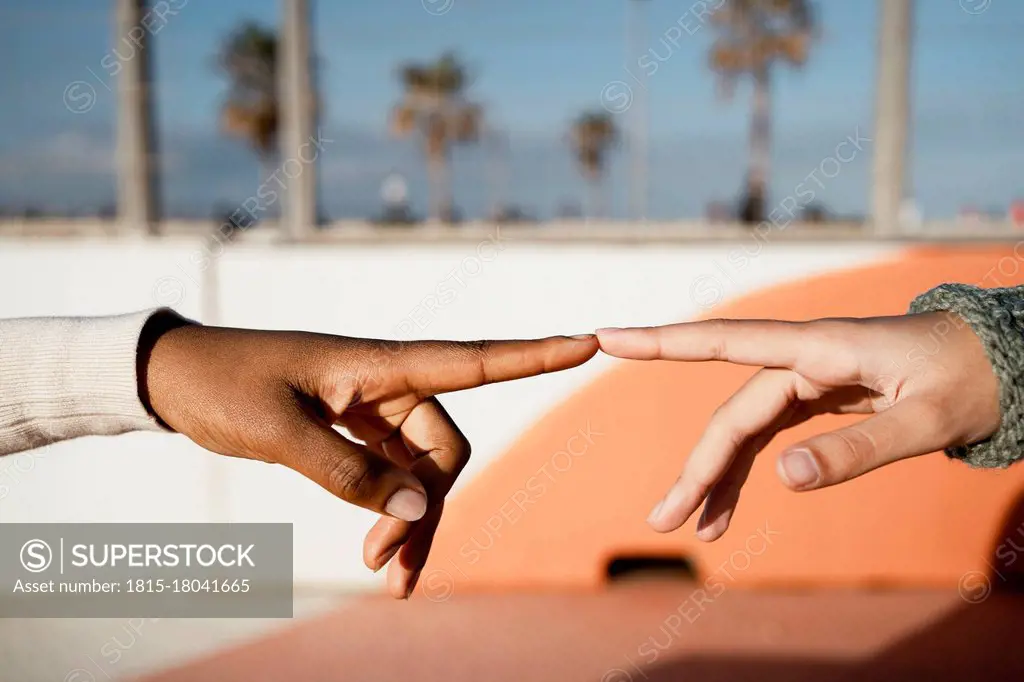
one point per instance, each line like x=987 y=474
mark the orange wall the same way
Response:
x=540 y=516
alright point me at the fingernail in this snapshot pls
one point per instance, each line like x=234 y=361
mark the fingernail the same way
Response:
x=606 y=330
x=798 y=468
x=413 y=579
x=407 y=504
x=583 y=337
x=656 y=512
x=708 y=530
x=386 y=557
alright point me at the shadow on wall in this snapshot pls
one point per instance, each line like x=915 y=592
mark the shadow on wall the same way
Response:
x=980 y=640
x=581 y=481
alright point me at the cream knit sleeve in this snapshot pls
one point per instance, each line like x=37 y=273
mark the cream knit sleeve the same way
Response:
x=67 y=377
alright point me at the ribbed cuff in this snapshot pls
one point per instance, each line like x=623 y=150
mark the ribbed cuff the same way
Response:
x=997 y=317
x=62 y=378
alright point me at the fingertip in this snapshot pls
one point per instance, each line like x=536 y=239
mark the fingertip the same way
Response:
x=407 y=504
x=798 y=469
x=672 y=512
x=706 y=535
x=371 y=553
x=397 y=590
x=383 y=541
x=411 y=585
x=659 y=520
x=658 y=527
x=382 y=559
x=605 y=334
x=396 y=579
x=584 y=340
x=709 y=531
x=574 y=350
x=626 y=343
x=655 y=514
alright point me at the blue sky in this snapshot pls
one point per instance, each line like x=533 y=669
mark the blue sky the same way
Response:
x=536 y=64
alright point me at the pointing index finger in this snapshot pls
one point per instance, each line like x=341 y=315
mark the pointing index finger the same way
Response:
x=764 y=343
x=432 y=367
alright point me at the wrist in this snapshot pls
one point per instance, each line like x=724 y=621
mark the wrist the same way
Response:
x=158 y=353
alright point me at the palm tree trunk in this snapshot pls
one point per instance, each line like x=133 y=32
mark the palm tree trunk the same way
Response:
x=760 y=137
x=595 y=208
x=497 y=173
x=440 y=188
x=434 y=172
x=265 y=170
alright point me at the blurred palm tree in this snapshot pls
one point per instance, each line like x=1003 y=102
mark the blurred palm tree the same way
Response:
x=435 y=107
x=752 y=36
x=592 y=136
x=252 y=108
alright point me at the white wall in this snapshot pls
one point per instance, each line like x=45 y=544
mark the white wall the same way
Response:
x=495 y=288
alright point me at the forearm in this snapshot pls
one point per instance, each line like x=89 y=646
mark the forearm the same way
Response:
x=997 y=317
x=62 y=378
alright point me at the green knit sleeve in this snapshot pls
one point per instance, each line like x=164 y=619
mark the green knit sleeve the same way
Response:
x=997 y=317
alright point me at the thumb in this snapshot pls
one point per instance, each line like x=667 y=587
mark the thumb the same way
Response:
x=908 y=429
x=353 y=473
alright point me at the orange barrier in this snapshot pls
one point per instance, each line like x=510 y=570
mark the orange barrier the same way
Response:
x=574 y=491
x=643 y=633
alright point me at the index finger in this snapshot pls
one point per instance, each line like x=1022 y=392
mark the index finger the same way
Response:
x=764 y=343
x=432 y=367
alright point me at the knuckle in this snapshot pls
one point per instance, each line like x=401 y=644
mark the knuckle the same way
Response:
x=855 y=452
x=479 y=347
x=717 y=347
x=733 y=437
x=723 y=430
x=459 y=453
x=474 y=353
x=702 y=481
x=463 y=449
x=375 y=354
x=829 y=344
x=473 y=349
x=461 y=460
x=352 y=478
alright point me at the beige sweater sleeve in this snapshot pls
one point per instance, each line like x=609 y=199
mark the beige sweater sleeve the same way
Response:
x=67 y=377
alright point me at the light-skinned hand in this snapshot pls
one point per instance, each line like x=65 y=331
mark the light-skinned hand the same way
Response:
x=925 y=379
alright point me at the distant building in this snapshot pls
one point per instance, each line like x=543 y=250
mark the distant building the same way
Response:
x=910 y=214
x=974 y=215
x=718 y=212
x=969 y=214
x=1016 y=213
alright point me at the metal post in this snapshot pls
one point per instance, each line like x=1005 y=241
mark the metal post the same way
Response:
x=136 y=150
x=892 y=113
x=298 y=115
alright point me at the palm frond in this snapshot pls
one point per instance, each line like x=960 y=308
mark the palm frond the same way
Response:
x=403 y=120
x=251 y=110
x=434 y=103
x=754 y=33
x=592 y=135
